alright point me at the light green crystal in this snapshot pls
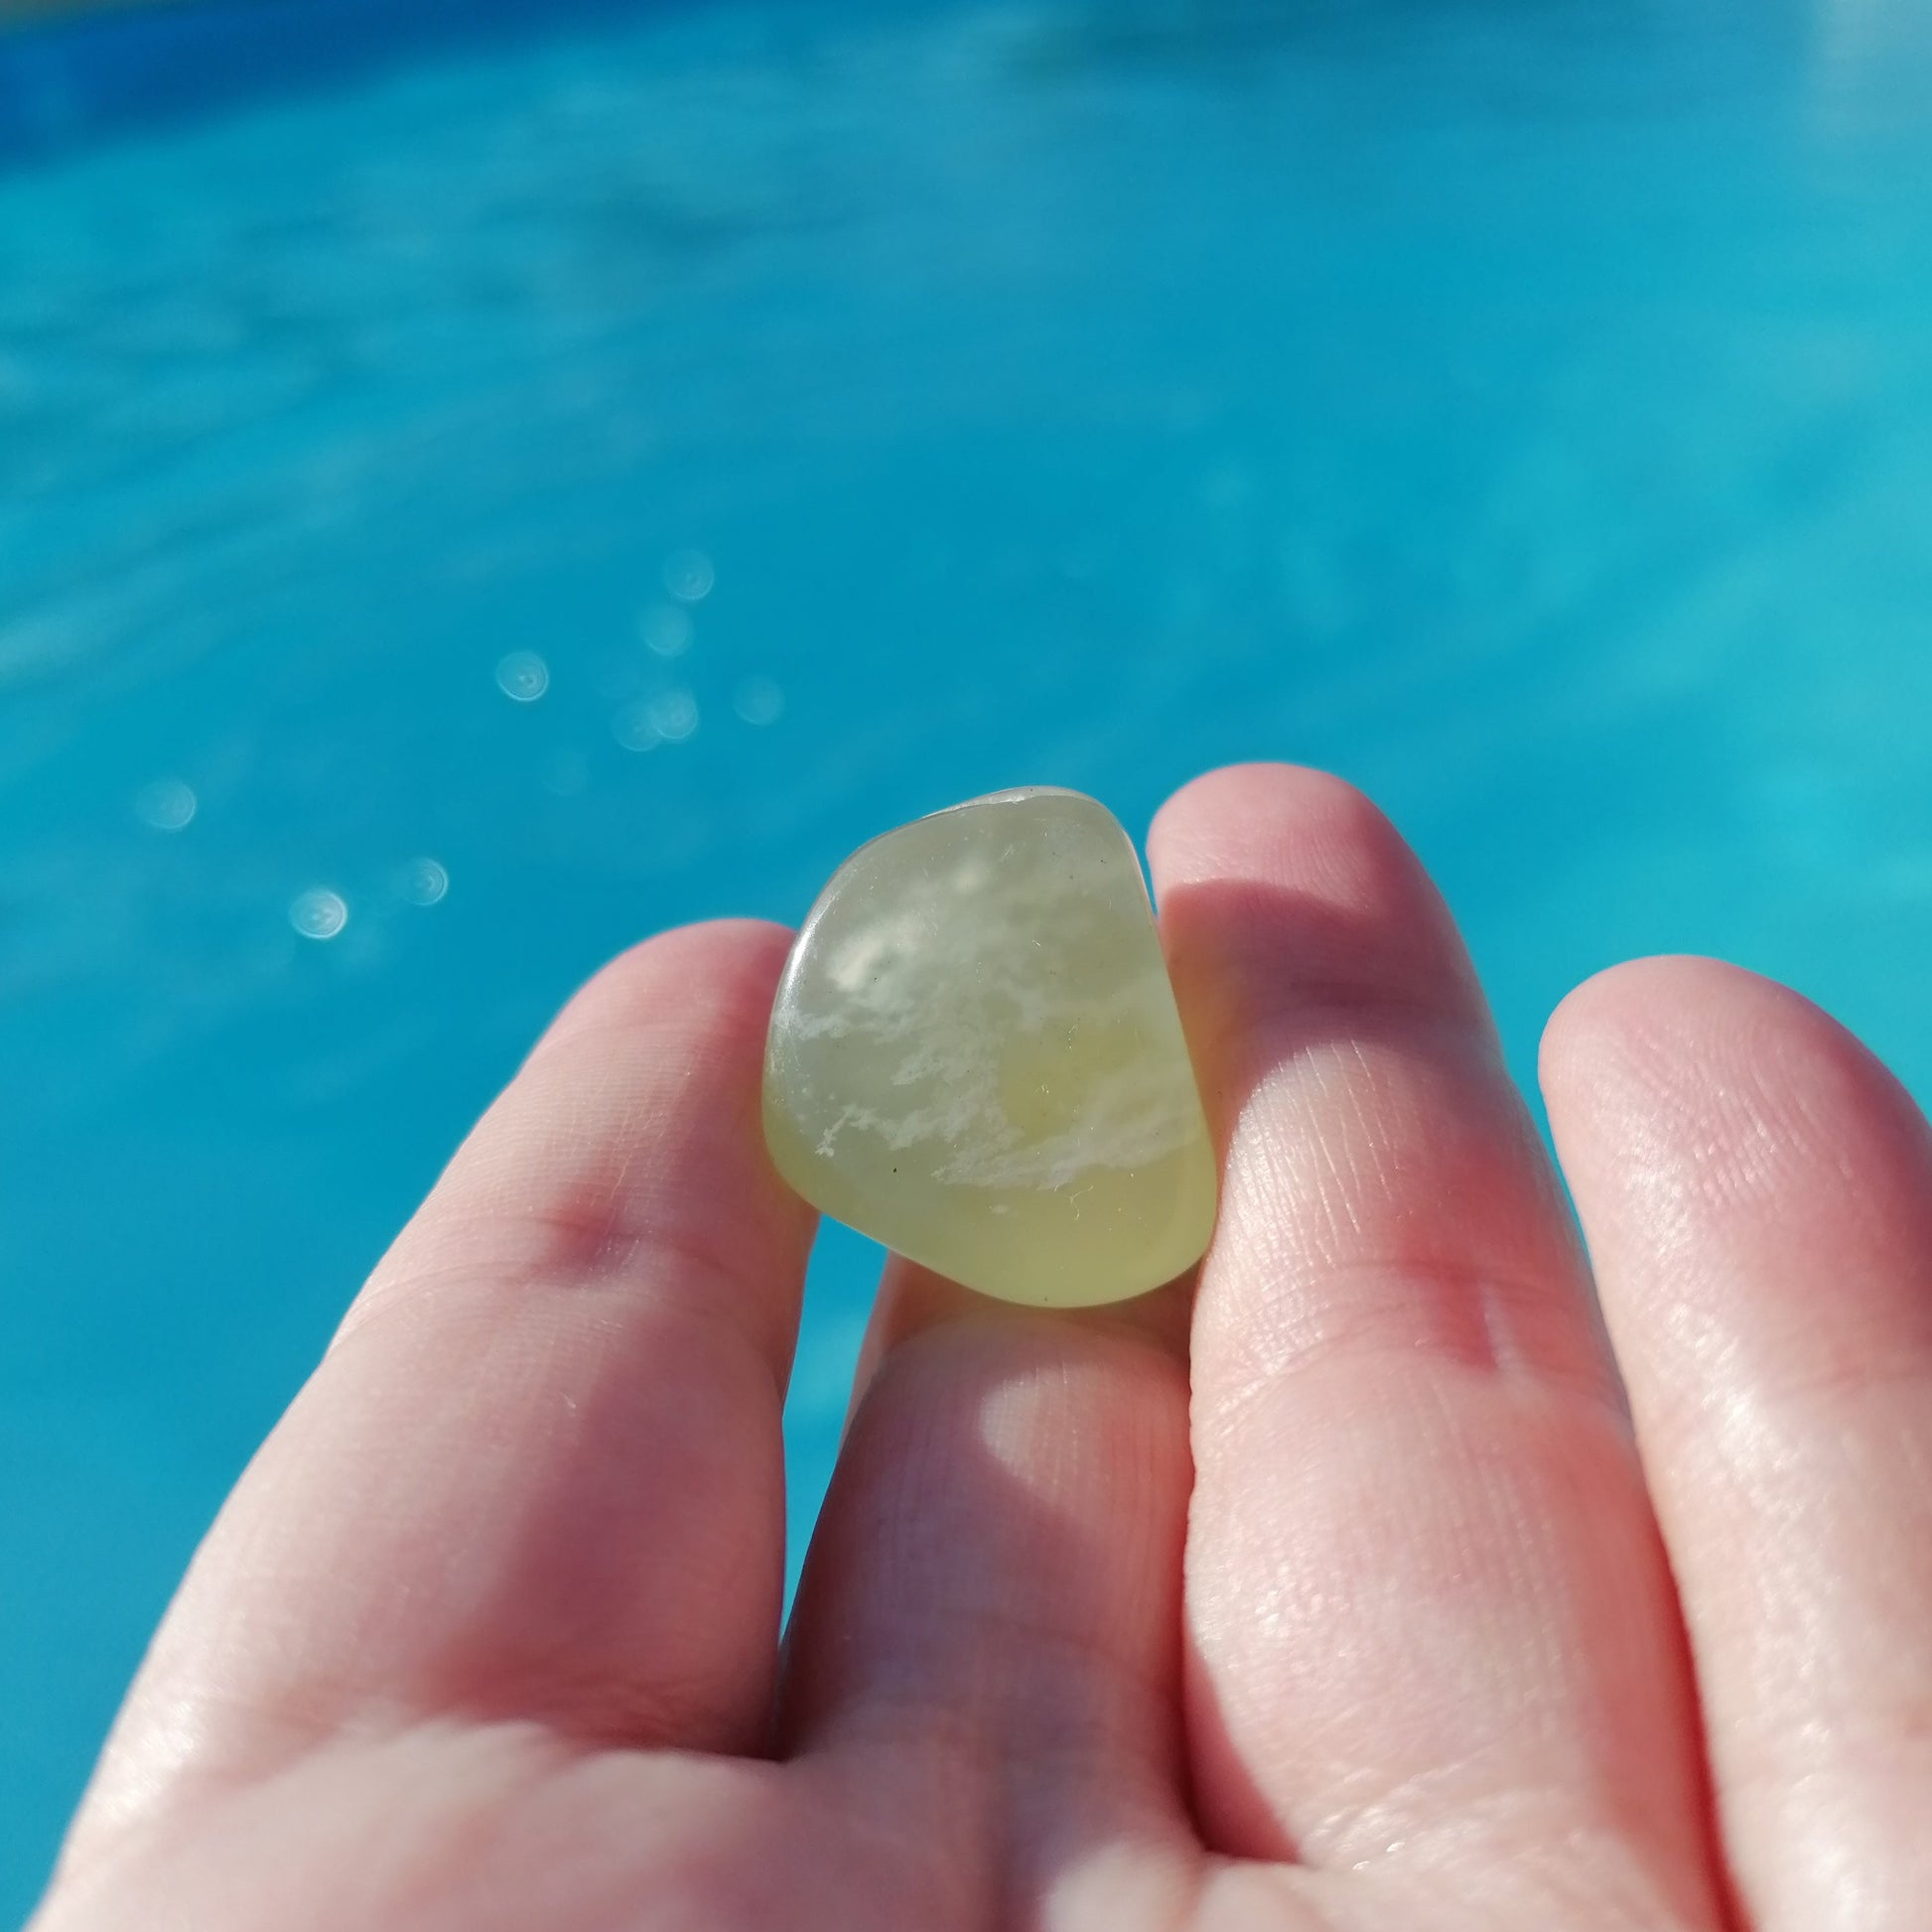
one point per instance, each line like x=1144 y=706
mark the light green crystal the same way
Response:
x=975 y=1057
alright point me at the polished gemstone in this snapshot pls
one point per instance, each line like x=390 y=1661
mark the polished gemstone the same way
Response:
x=975 y=1057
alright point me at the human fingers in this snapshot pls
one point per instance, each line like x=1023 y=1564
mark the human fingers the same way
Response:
x=1430 y=1621
x=538 y=1475
x=984 y=1653
x=1757 y=1194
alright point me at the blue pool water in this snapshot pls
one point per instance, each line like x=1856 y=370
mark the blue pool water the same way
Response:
x=1525 y=409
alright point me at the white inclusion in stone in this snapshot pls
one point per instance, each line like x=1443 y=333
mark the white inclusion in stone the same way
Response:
x=861 y=964
x=889 y=972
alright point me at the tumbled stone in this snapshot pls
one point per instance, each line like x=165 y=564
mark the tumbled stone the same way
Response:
x=975 y=1057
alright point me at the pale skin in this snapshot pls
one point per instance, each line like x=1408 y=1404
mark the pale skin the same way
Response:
x=1370 y=1583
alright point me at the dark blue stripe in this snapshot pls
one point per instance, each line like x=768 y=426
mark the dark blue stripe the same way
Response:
x=66 y=80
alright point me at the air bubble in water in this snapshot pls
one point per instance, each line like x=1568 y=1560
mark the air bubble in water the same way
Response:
x=689 y=576
x=758 y=701
x=523 y=676
x=166 y=805
x=424 y=882
x=319 y=913
x=673 y=716
x=666 y=630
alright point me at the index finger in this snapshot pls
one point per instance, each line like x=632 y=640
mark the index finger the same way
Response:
x=539 y=1474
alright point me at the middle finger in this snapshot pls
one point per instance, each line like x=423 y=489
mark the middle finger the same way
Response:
x=1429 y=1611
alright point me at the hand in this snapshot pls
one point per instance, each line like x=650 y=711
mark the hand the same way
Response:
x=1395 y=1621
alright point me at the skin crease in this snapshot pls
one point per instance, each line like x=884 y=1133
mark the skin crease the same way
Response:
x=1343 y=1591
